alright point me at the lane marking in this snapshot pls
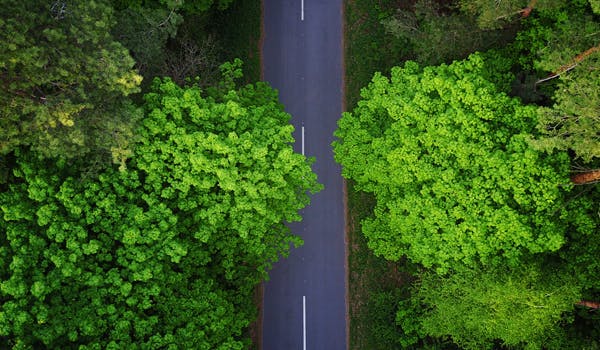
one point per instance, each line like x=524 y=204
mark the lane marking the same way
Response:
x=304 y=322
x=302 y=10
x=302 y=139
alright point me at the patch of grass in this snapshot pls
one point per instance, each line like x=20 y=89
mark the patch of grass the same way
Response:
x=239 y=35
x=375 y=285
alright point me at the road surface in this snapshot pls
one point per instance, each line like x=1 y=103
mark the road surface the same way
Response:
x=305 y=300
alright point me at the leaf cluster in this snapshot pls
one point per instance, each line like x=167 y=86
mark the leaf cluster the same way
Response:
x=64 y=80
x=506 y=248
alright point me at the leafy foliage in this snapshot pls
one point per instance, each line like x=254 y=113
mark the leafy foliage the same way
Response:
x=437 y=148
x=145 y=32
x=190 y=6
x=447 y=158
x=437 y=36
x=567 y=47
x=164 y=253
x=573 y=122
x=476 y=308
x=495 y=14
x=64 y=80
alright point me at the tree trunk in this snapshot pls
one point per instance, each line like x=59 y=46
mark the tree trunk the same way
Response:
x=586 y=177
x=590 y=304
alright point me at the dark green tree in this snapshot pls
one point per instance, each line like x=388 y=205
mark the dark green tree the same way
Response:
x=439 y=35
x=64 y=80
x=145 y=31
x=565 y=51
x=165 y=253
x=187 y=6
x=174 y=39
x=495 y=14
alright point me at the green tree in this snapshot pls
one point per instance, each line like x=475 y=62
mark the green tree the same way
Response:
x=165 y=253
x=522 y=308
x=565 y=51
x=64 y=80
x=438 y=35
x=495 y=14
x=175 y=39
x=144 y=31
x=446 y=156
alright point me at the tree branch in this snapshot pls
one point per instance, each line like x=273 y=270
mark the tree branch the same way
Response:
x=591 y=304
x=573 y=64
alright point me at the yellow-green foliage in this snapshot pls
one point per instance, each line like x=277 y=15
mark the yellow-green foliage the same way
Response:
x=522 y=308
x=447 y=157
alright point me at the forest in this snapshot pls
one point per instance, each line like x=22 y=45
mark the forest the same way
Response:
x=147 y=175
x=472 y=151
x=145 y=179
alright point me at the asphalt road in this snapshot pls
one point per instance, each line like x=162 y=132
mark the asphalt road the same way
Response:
x=305 y=299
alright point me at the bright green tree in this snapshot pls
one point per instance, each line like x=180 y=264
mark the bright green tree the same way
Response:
x=165 y=253
x=522 y=308
x=446 y=156
x=64 y=80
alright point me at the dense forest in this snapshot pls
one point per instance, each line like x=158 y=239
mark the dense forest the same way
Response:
x=144 y=185
x=478 y=145
x=145 y=180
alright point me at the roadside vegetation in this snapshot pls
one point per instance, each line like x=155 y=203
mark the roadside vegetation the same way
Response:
x=144 y=178
x=470 y=157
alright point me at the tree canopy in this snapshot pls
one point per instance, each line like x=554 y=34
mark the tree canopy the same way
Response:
x=453 y=35
x=446 y=156
x=166 y=252
x=565 y=49
x=522 y=307
x=64 y=80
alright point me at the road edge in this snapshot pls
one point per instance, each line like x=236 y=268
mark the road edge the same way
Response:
x=344 y=183
x=260 y=288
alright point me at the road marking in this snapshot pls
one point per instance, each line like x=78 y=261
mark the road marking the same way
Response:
x=302 y=10
x=304 y=322
x=302 y=139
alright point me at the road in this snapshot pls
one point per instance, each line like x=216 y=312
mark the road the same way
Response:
x=304 y=304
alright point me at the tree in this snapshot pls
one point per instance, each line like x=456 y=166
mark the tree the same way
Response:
x=437 y=35
x=144 y=31
x=193 y=59
x=565 y=51
x=522 y=308
x=64 y=80
x=447 y=157
x=166 y=252
x=495 y=14
x=177 y=39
